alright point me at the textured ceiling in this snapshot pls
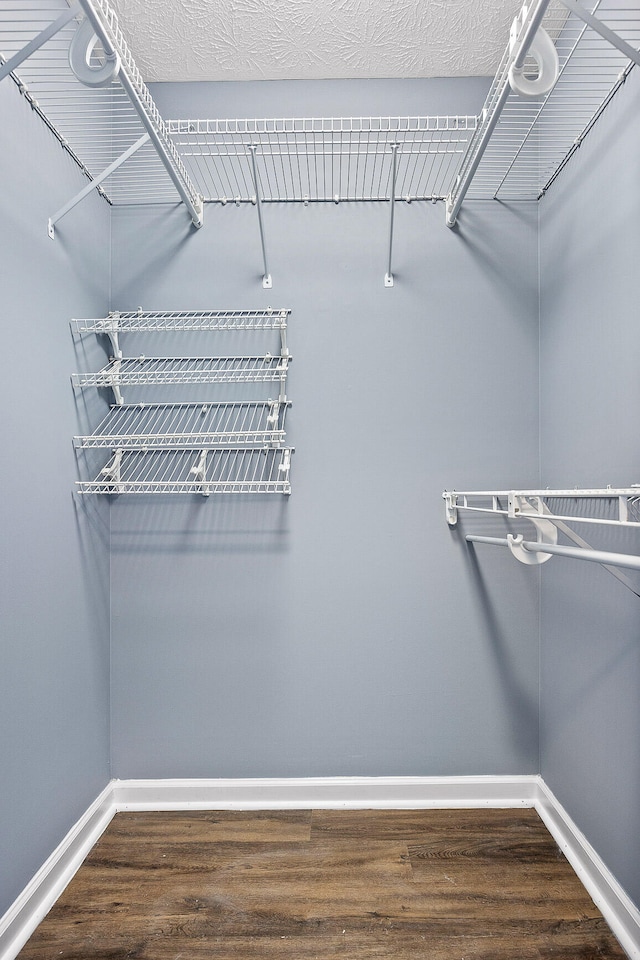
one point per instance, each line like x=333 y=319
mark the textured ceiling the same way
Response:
x=315 y=39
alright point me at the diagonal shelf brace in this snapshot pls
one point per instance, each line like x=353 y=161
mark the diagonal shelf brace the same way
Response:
x=606 y=32
x=10 y=65
x=59 y=214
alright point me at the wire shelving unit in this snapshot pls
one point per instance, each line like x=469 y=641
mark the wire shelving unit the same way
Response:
x=520 y=145
x=324 y=159
x=203 y=446
x=116 y=125
x=193 y=472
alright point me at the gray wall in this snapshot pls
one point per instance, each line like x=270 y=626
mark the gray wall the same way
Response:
x=347 y=631
x=590 y=398
x=54 y=718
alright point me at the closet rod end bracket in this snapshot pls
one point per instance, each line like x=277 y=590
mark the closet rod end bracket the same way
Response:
x=451 y=508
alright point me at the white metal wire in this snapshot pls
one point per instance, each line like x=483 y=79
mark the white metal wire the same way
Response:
x=534 y=138
x=96 y=124
x=145 y=321
x=601 y=506
x=193 y=471
x=181 y=370
x=329 y=159
x=181 y=425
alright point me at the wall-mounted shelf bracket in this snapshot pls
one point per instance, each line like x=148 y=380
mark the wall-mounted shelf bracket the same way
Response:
x=199 y=472
x=114 y=381
x=111 y=474
x=266 y=279
x=95 y=182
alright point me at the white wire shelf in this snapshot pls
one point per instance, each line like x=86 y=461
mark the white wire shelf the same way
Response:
x=533 y=139
x=193 y=471
x=604 y=506
x=184 y=425
x=96 y=124
x=328 y=159
x=185 y=320
x=182 y=370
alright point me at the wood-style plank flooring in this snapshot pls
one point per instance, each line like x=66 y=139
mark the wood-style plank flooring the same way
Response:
x=311 y=885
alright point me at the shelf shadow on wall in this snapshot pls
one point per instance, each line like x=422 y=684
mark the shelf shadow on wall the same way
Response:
x=525 y=707
x=192 y=524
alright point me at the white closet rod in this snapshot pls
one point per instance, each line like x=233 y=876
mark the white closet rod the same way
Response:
x=577 y=553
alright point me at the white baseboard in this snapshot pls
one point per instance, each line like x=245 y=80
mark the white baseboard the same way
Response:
x=328 y=792
x=42 y=891
x=617 y=908
x=22 y=918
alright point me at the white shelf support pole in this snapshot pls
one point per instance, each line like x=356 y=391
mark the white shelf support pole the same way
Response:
x=388 y=277
x=10 y=65
x=266 y=280
x=485 y=129
x=59 y=214
x=606 y=32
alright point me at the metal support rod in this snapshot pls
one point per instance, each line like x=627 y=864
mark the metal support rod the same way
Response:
x=388 y=278
x=266 y=280
x=10 y=65
x=576 y=553
x=453 y=206
x=95 y=183
x=606 y=32
x=195 y=207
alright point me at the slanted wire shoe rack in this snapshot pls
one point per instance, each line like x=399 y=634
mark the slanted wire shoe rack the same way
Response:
x=205 y=446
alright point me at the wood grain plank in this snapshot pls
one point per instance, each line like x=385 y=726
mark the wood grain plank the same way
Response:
x=361 y=885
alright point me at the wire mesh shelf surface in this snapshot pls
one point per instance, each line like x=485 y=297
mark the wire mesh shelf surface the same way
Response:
x=176 y=370
x=329 y=159
x=196 y=320
x=182 y=425
x=534 y=138
x=193 y=471
x=95 y=124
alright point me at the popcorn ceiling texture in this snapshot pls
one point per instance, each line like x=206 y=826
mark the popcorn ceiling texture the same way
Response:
x=323 y=39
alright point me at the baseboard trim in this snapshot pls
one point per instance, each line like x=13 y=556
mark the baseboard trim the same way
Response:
x=616 y=906
x=42 y=891
x=326 y=792
x=36 y=900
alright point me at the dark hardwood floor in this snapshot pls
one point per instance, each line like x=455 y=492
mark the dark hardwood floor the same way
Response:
x=310 y=885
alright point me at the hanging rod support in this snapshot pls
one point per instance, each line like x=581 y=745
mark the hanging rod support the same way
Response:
x=486 y=126
x=606 y=32
x=577 y=553
x=10 y=65
x=95 y=183
x=388 y=277
x=266 y=279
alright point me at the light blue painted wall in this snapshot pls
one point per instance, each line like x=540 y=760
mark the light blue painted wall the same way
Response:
x=590 y=401
x=54 y=581
x=347 y=631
